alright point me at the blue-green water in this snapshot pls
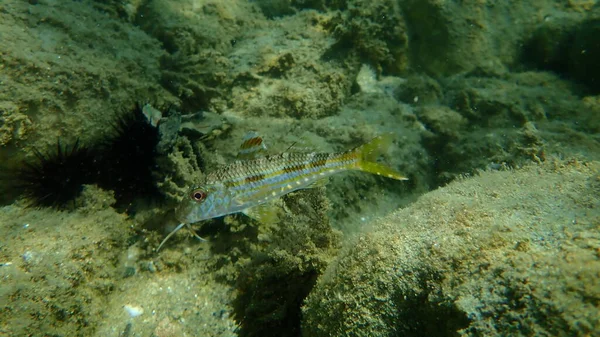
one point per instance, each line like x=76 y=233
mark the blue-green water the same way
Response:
x=111 y=111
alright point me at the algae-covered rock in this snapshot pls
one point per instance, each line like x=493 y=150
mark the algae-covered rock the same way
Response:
x=584 y=53
x=69 y=71
x=509 y=119
x=284 y=267
x=449 y=37
x=503 y=253
x=197 y=36
x=548 y=46
x=566 y=42
x=58 y=268
x=86 y=272
x=373 y=31
x=278 y=71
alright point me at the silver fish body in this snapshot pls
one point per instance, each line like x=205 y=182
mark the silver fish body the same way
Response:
x=245 y=184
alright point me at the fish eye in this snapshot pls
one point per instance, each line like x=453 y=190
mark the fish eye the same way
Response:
x=198 y=195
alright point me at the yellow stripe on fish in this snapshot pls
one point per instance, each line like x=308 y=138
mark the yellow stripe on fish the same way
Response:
x=244 y=184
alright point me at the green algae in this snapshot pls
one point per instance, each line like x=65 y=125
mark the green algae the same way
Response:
x=278 y=276
x=481 y=256
x=59 y=278
x=448 y=80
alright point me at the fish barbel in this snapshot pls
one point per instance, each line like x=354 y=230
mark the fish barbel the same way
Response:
x=242 y=185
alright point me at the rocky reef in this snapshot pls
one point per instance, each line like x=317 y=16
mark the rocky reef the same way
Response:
x=482 y=256
x=494 y=107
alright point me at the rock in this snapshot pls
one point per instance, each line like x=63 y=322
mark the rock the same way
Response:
x=549 y=45
x=504 y=253
x=584 y=53
x=442 y=120
x=448 y=37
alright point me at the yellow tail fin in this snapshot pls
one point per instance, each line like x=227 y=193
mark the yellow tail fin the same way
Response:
x=368 y=154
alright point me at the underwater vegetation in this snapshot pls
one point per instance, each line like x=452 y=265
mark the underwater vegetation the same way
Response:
x=273 y=284
x=568 y=47
x=470 y=259
x=122 y=162
x=510 y=251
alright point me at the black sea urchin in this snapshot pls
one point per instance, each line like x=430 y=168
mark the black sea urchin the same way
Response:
x=123 y=162
x=129 y=158
x=55 y=178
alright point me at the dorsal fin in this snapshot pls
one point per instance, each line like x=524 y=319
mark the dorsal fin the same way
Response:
x=252 y=146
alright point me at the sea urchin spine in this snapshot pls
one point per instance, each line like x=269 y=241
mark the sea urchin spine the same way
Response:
x=129 y=158
x=56 y=177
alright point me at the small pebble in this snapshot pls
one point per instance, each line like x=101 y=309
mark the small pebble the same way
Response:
x=129 y=271
x=27 y=256
x=133 y=311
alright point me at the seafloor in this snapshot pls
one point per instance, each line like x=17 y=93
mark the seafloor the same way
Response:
x=495 y=109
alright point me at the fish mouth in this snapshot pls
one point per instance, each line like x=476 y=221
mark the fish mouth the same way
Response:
x=182 y=211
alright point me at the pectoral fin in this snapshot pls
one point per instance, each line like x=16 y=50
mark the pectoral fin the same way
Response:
x=267 y=213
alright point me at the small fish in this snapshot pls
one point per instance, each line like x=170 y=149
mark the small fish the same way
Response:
x=252 y=146
x=152 y=114
x=248 y=186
